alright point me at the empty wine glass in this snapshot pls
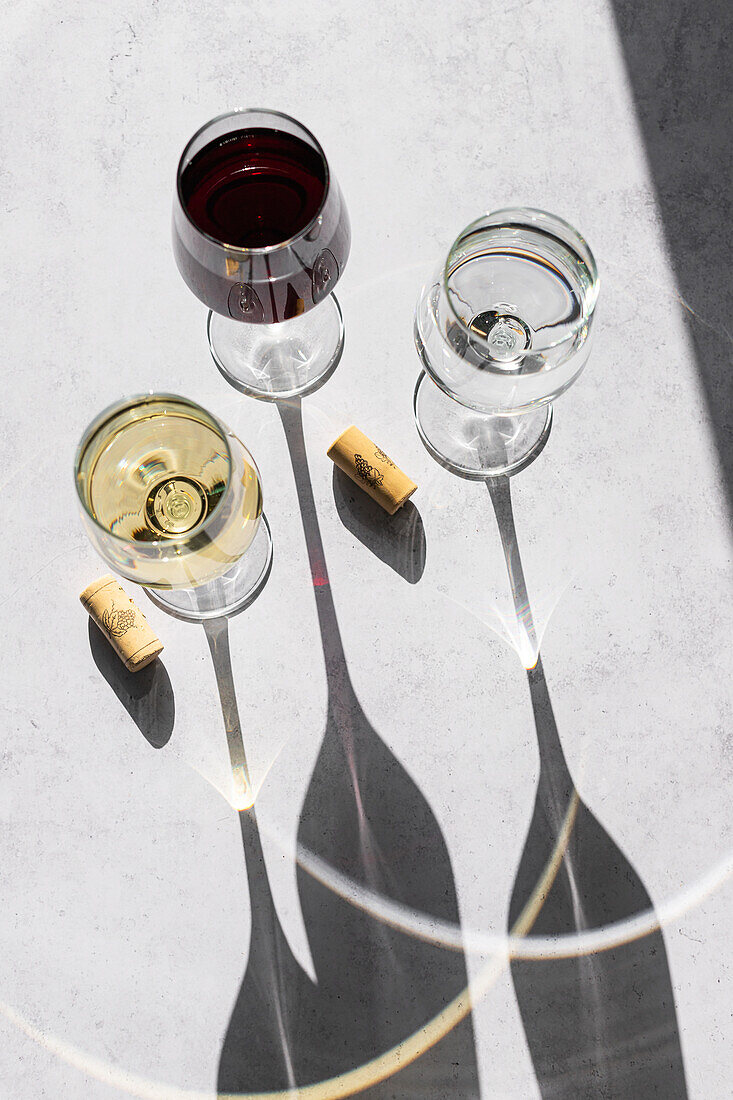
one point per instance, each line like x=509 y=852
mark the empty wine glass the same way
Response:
x=502 y=329
x=261 y=235
x=172 y=500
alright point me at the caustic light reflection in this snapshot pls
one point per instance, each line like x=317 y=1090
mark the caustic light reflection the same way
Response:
x=501 y=948
x=242 y=794
x=518 y=627
x=518 y=944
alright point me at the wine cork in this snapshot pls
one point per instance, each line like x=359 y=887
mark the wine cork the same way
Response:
x=122 y=623
x=369 y=467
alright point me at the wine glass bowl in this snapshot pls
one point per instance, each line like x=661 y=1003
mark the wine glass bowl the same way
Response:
x=502 y=329
x=261 y=236
x=172 y=500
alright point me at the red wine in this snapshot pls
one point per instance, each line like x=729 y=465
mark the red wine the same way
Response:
x=254 y=188
x=259 y=189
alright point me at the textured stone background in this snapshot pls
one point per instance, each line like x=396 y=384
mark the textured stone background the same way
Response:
x=124 y=926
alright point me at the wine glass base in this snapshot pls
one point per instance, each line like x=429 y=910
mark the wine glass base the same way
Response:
x=274 y=362
x=473 y=444
x=226 y=595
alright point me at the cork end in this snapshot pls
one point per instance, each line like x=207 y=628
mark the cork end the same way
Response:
x=403 y=500
x=144 y=658
x=96 y=586
x=333 y=449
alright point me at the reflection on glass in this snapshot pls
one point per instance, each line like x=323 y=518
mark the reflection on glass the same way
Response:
x=172 y=500
x=502 y=329
x=261 y=235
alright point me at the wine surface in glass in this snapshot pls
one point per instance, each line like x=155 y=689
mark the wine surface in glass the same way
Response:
x=260 y=230
x=254 y=188
x=151 y=476
x=511 y=296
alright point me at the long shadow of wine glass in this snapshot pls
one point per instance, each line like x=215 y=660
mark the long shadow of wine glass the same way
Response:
x=398 y=540
x=147 y=695
x=602 y=1024
x=275 y=990
x=364 y=816
x=276 y=993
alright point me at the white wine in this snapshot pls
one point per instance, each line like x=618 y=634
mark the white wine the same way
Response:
x=170 y=497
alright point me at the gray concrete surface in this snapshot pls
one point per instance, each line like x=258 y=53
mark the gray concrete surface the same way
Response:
x=125 y=921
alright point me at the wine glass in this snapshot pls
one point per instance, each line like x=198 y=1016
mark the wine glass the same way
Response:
x=172 y=500
x=502 y=329
x=261 y=235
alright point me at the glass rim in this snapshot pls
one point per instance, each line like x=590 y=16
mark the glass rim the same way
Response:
x=523 y=215
x=268 y=248
x=107 y=414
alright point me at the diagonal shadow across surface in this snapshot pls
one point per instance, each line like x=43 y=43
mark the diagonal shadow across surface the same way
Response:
x=679 y=64
x=603 y=1024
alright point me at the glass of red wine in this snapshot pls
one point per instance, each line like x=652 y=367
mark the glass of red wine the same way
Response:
x=261 y=235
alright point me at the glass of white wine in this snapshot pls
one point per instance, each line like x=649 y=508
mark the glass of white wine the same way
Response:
x=172 y=500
